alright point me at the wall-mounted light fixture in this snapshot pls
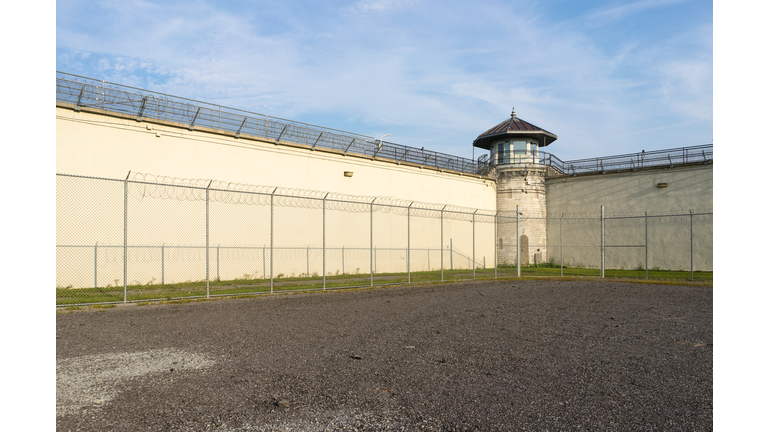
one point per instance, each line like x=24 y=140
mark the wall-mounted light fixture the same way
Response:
x=348 y=173
x=661 y=185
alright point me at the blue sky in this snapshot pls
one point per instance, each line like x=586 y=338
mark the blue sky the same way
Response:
x=608 y=77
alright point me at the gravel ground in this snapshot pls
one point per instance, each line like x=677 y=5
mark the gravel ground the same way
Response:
x=508 y=355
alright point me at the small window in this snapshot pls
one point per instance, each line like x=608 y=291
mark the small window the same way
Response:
x=519 y=149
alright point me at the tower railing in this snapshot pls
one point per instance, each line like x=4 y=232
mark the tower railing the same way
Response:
x=669 y=158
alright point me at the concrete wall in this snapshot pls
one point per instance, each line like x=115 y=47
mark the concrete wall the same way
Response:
x=90 y=212
x=93 y=144
x=97 y=143
x=629 y=196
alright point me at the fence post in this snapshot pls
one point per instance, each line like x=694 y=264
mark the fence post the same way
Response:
x=602 y=241
x=517 y=237
x=95 y=265
x=326 y=195
x=495 y=245
x=429 y=265
x=162 y=264
x=371 y=246
x=691 y=211
x=272 y=241
x=408 y=251
x=561 y=244
x=646 y=245
x=442 y=247
x=451 y=251
x=307 y=261
x=474 y=262
x=125 y=238
x=343 y=271
x=207 y=251
x=218 y=278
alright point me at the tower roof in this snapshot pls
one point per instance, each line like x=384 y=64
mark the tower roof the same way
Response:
x=514 y=127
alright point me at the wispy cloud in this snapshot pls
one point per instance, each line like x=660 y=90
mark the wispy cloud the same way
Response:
x=382 y=5
x=431 y=76
x=612 y=13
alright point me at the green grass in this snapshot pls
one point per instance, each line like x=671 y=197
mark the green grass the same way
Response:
x=234 y=287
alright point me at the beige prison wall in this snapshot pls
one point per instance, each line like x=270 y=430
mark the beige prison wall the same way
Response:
x=166 y=231
x=629 y=196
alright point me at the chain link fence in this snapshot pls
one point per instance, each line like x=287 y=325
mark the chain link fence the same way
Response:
x=154 y=238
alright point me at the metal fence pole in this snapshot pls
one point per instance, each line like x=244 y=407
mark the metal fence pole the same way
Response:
x=371 y=246
x=646 y=245
x=517 y=237
x=408 y=251
x=442 y=247
x=95 y=265
x=125 y=238
x=272 y=241
x=162 y=264
x=371 y=251
x=474 y=262
x=207 y=252
x=342 y=261
x=602 y=241
x=218 y=278
x=307 y=261
x=495 y=245
x=326 y=195
x=561 y=244
x=691 y=211
x=451 y=252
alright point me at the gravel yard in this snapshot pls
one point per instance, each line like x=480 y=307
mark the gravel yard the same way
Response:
x=536 y=355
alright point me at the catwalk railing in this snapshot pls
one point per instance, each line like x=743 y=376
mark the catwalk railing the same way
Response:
x=137 y=240
x=88 y=92
x=669 y=158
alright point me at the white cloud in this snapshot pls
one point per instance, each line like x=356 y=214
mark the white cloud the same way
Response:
x=382 y=5
x=624 y=10
x=427 y=75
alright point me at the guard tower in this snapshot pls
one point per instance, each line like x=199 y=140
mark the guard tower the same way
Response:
x=514 y=145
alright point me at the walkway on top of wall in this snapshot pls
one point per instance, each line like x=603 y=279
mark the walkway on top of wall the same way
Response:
x=100 y=97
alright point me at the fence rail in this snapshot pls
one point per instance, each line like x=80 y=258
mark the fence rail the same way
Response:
x=88 y=92
x=701 y=154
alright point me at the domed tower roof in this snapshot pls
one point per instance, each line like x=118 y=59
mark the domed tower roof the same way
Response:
x=514 y=128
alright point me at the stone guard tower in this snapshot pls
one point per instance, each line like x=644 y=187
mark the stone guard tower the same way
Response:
x=514 y=145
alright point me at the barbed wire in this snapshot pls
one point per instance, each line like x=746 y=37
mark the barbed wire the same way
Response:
x=165 y=187
x=143 y=185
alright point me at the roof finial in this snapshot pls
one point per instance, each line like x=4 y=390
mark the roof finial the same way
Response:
x=513 y=113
